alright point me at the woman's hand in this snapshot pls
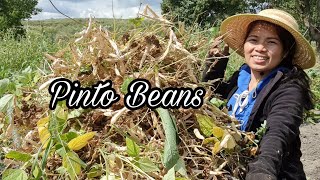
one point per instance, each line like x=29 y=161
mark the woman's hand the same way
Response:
x=215 y=51
x=216 y=61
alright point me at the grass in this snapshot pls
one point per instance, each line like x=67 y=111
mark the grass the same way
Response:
x=16 y=55
x=42 y=37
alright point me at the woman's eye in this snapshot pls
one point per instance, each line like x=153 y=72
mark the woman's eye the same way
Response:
x=252 y=40
x=272 y=42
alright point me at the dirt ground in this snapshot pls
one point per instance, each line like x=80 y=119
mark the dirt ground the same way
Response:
x=310 y=139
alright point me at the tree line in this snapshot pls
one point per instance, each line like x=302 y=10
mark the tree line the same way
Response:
x=203 y=13
x=207 y=13
x=12 y=12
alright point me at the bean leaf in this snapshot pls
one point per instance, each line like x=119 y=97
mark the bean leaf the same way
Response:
x=11 y=174
x=217 y=132
x=4 y=83
x=217 y=102
x=133 y=149
x=171 y=154
x=181 y=167
x=18 y=156
x=170 y=174
x=72 y=163
x=147 y=165
x=43 y=131
x=125 y=84
x=206 y=124
x=6 y=102
x=81 y=141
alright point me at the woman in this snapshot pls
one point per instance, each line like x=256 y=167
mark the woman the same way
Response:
x=270 y=86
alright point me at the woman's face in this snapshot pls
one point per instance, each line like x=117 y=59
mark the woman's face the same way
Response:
x=263 y=49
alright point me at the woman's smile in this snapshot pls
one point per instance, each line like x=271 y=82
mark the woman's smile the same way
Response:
x=260 y=58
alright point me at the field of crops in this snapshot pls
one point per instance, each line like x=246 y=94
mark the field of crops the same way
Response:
x=116 y=142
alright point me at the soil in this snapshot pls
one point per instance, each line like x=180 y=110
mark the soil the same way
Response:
x=310 y=147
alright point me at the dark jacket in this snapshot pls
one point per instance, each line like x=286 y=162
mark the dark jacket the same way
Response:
x=280 y=104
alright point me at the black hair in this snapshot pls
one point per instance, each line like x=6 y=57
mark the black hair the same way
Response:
x=295 y=74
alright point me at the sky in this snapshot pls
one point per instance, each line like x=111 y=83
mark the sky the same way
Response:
x=98 y=8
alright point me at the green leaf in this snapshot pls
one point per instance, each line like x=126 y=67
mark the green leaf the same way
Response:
x=136 y=21
x=181 y=178
x=217 y=102
x=171 y=154
x=125 y=84
x=206 y=124
x=68 y=136
x=36 y=172
x=46 y=153
x=14 y=174
x=61 y=170
x=27 y=71
x=61 y=113
x=170 y=175
x=60 y=150
x=95 y=171
x=180 y=167
x=133 y=149
x=26 y=77
x=75 y=113
x=71 y=162
x=6 y=102
x=147 y=165
x=18 y=156
x=37 y=76
x=59 y=118
x=4 y=83
x=261 y=131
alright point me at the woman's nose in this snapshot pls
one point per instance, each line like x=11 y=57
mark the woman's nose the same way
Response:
x=260 y=47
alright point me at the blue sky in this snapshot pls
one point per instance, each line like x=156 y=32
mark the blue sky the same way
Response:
x=98 y=8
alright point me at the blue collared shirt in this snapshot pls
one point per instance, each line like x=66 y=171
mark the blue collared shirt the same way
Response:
x=241 y=102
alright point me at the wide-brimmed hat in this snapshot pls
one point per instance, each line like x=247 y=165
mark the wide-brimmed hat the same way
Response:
x=235 y=28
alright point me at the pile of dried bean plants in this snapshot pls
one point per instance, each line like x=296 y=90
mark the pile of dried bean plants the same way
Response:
x=157 y=54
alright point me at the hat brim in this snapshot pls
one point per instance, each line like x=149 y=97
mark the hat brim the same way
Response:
x=235 y=27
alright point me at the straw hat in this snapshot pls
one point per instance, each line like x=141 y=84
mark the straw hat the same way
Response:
x=235 y=27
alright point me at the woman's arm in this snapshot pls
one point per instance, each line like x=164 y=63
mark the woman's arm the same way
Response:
x=283 y=121
x=215 y=67
x=216 y=62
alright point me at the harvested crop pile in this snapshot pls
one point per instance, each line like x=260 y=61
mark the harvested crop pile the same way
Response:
x=117 y=142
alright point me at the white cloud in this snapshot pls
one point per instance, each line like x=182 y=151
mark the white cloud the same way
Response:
x=98 y=8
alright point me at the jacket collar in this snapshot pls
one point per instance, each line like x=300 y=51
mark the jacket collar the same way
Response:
x=263 y=94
